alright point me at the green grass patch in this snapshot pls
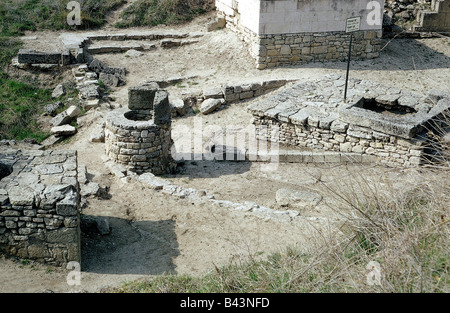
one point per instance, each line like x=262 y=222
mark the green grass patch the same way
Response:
x=156 y=12
x=20 y=104
x=9 y=47
x=18 y=16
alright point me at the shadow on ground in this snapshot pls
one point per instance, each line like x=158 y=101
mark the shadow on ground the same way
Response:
x=141 y=247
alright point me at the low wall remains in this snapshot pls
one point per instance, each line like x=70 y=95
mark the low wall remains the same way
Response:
x=379 y=121
x=40 y=206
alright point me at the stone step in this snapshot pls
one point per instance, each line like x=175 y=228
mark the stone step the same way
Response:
x=114 y=47
x=233 y=154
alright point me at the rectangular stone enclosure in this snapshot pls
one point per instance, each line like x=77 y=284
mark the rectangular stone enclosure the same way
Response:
x=40 y=206
x=286 y=32
x=381 y=123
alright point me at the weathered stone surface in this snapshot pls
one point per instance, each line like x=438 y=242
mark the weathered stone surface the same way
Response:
x=19 y=196
x=299 y=199
x=69 y=205
x=161 y=107
x=110 y=80
x=97 y=134
x=64 y=130
x=66 y=116
x=89 y=189
x=61 y=119
x=178 y=106
x=339 y=126
x=209 y=105
x=59 y=91
x=89 y=92
x=215 y=93
x=36 y=57
x=133 y=53
x=51 y=108
x=91 y=104
x=73 y=111
x=153 y=181
x=63 y=236
x=142 y=97
x=100 y=67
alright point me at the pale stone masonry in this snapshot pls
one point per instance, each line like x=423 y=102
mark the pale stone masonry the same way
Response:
x=287 y=32
x=140 y=137
x=436 y=20
x=383 y=123
x=40 y=205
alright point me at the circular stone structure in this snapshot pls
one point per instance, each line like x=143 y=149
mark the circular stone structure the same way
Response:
x=140 y=138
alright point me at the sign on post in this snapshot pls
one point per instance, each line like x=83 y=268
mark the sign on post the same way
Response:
x=353 y=25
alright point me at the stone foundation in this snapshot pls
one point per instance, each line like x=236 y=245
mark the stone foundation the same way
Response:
x=140 y=146
x=140 y=138
x=342 y=137
x=387 y=125
x=40 y=206
x=436 y=20
x=295 y=49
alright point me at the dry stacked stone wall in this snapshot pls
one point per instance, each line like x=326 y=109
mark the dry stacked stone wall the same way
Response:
x=140 y=137
x=381 y=123
x=294 y=49
x=40 y=205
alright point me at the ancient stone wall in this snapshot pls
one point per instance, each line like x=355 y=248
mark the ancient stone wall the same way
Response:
x=40 y=206
x=291 y=49
x=384 y=123
x=436 y=20
x=140 y=138
x=342 y=137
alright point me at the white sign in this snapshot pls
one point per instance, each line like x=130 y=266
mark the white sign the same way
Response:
x=353 y=24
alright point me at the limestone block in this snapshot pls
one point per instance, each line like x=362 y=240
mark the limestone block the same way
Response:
x=209 y=105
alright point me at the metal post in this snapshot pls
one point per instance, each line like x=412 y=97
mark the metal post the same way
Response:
x=348 y=67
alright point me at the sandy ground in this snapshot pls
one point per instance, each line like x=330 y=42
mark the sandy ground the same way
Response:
x=152 y=233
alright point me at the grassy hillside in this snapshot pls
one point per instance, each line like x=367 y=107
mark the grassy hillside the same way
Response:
x=21 y=103
x=155 y=12
x=17 y=16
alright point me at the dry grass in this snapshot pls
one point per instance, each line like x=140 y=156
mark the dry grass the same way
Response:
x=156 y=12
x=403 y=230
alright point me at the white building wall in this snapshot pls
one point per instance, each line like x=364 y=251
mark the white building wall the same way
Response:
x=248 y=12
x=301 y=16
x=265 y=17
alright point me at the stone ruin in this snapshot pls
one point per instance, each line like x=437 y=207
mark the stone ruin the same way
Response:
x=139 y=137
x=378 y=123
x=286 y=32
x=436 y=20
x=39 y=205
